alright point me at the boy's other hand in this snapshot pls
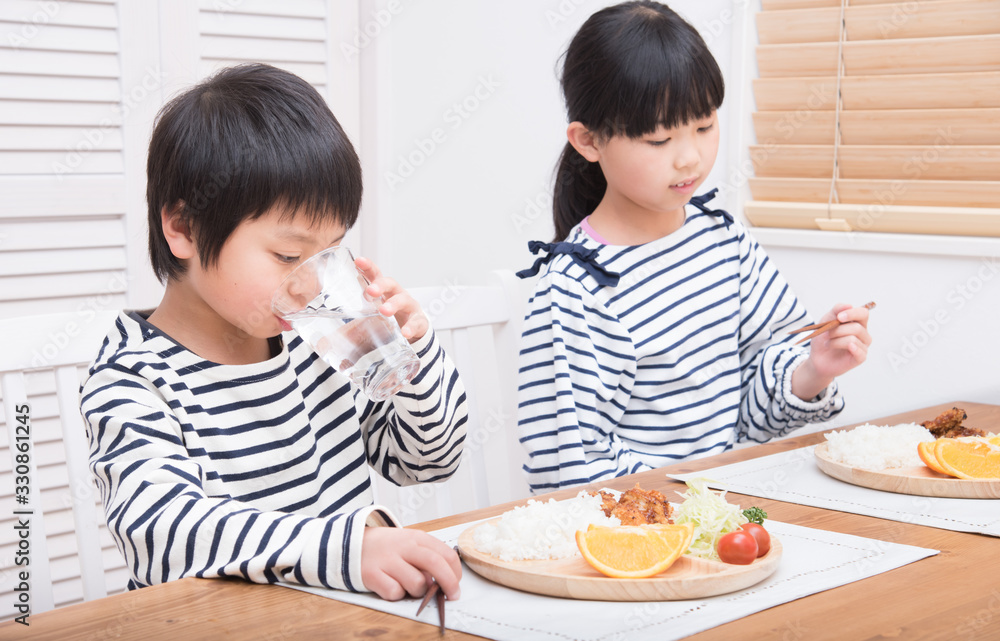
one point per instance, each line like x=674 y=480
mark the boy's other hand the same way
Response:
x=398 y=302
x=835 y=352
x=396 y=562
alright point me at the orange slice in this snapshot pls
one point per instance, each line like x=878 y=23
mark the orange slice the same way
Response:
x=969 y=459
x=634 y=551
x=926 y=450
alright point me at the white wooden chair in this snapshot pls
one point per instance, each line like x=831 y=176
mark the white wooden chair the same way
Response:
x=479 y=327
x=40 y=360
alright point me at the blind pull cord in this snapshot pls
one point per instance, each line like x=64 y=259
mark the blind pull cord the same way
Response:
x=834 y=196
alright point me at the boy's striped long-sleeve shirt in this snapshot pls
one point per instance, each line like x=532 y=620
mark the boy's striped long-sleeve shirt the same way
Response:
x=257 y=471
x=686 y=355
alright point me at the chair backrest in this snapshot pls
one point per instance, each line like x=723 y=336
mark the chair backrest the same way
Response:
x=479 y=327
x=40 y=374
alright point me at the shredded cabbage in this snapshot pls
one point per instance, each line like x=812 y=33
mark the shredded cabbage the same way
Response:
x=712 y=516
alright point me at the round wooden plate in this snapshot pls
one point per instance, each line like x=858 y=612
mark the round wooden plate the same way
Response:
x=573 y=578
x=921 y=481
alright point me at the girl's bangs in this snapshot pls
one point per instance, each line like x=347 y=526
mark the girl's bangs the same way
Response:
x=673 y=97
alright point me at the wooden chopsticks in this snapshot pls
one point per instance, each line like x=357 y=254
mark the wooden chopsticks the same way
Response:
x=820 y=328
x=434 y=591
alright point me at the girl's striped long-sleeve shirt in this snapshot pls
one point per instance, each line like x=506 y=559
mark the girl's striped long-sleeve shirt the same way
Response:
x=684 y=356
x=257 y=471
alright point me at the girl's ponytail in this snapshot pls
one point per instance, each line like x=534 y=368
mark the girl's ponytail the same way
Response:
x=579 y=188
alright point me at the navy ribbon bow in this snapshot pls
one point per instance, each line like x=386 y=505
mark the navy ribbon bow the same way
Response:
x=584 y=257
x=699 y=202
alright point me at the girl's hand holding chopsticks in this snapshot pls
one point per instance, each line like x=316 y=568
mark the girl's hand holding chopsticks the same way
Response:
x=839 y=344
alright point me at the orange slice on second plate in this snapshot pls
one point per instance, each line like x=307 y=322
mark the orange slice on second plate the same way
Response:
x=926 y=450
x=969 y=459
x=634 y=551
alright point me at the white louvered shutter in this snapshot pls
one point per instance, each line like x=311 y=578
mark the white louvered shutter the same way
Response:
x=289 y=35
x=62 y=228
x=80 y=82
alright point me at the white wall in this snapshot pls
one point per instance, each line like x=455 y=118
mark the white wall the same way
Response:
x=933 y=328
x=483 y=189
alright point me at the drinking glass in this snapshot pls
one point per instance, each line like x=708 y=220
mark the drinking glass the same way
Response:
x=324 y=301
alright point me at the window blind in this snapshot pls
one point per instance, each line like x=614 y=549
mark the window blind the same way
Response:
x=877 y=116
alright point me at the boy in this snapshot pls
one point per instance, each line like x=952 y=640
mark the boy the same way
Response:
x=220 y=446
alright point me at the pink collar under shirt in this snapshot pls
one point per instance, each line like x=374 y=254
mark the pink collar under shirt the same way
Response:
x=590 y=231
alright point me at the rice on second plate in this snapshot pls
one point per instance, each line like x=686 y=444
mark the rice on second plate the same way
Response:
x=541 y=530
x=878 y=447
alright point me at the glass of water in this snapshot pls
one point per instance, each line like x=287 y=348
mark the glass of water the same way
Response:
x=324 y=301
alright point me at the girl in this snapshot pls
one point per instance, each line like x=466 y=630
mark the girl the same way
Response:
x=657 y=332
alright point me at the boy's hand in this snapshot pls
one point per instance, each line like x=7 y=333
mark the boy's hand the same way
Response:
x=399 y=561
x=834 y=352
x=398 y=302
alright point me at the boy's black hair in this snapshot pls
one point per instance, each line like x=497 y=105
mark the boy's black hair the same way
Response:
x=246 y=140
x=629 y=69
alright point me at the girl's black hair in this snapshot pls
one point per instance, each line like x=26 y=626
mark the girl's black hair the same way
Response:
x=240 y=143
x=630 y=68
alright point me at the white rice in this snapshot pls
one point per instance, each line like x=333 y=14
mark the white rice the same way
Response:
x=540 y=530
x=878 y=447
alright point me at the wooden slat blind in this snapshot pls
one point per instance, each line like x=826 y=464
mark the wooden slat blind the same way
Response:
x=907 y=139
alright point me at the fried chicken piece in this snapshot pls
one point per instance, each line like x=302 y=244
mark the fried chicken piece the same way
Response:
x=959 y=431
x=949 y=425
x=945 y=421
x=638 y=506
x=608 y=501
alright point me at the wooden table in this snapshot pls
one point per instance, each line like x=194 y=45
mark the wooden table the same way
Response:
x=953 y=595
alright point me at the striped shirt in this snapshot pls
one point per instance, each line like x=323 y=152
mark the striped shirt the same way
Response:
x=684 y=357
x=257 y=471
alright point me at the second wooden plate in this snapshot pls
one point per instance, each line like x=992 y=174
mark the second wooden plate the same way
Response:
x=920 y=481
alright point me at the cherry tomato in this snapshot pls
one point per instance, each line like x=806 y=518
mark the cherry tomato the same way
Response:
x=738 y=548
x=760 y=534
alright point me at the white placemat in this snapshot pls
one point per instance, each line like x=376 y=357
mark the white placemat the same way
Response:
x=812 y=561
x=793 y=477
